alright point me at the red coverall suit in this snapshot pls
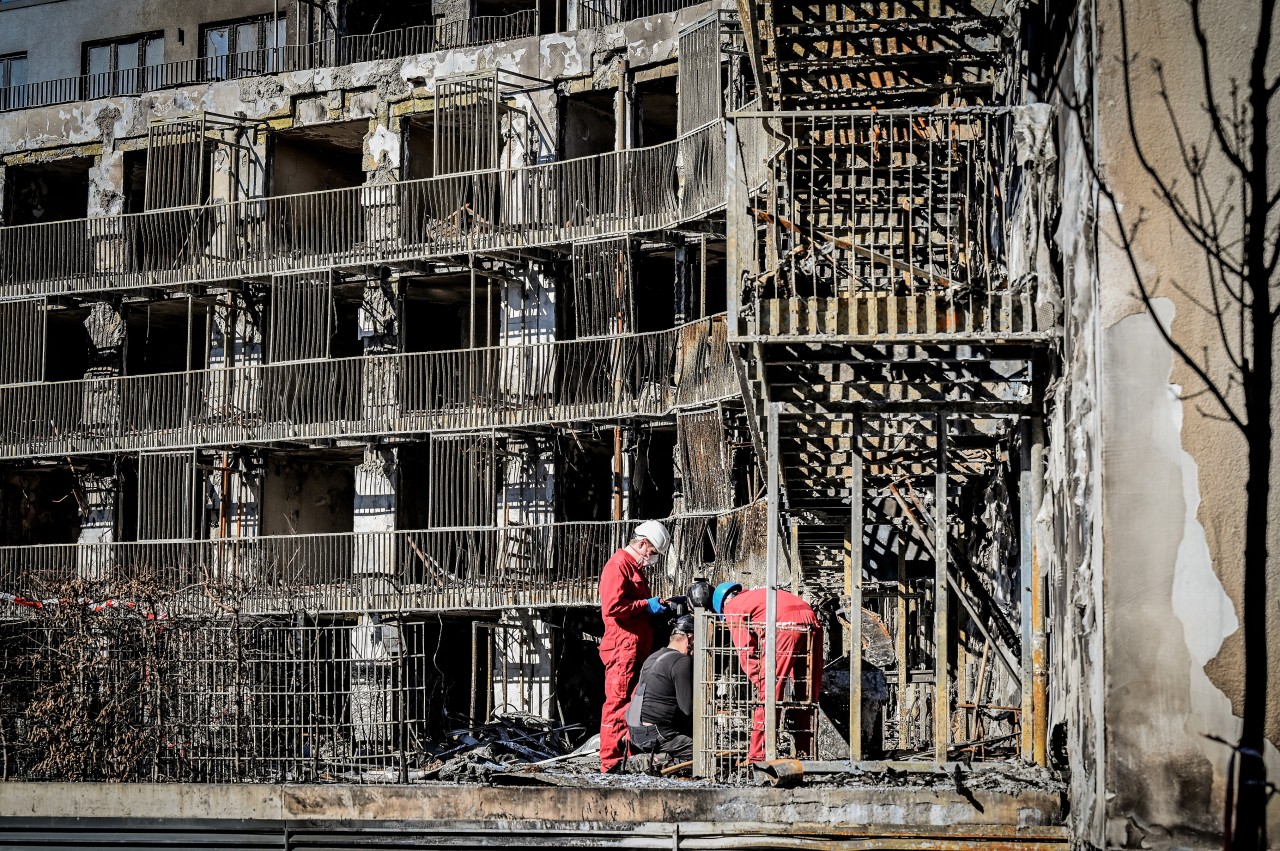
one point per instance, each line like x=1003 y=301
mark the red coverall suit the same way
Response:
x=791 y=658
x=628 y=638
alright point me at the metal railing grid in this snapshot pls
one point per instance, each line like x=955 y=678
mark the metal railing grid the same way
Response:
x=650 y=374
x=430 y=570
x=879 y=222
x=727 y=703
x=347 y=50
x=594 y=197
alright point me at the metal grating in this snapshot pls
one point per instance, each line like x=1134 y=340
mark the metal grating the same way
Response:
x=698 y=60
x=465 y=127
x=167 y=496
x=22 y=340
x=701 y=442
x=300 y=321
x=603 y=293
x=462 y=487
x=177 y=164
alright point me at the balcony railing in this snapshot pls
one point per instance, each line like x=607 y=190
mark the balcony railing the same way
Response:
x=867 y=224
x=640 y=375
x=409 y=41
x=613 y=194
x=423 y=570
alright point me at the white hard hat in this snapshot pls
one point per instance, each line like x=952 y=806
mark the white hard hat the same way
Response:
x=655 y=533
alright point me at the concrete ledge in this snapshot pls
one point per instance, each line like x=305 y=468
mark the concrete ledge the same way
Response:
x=818 y=810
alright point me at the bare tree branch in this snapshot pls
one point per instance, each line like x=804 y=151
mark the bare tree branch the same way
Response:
x=1215 y=115
x=1126 y=243
x=1164 y=190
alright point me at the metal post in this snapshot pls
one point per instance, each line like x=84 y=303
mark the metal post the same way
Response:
x=853 y=585
x=471 y=268
x=900 y=646
x=1039 y=640
x=1025 y=581
x=941 y=613
x=703 y=764
x=682 y=311
x=771 y=597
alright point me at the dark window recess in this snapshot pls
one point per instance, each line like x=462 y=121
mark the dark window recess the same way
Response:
x=48 y=192
x=123 y=66
x=242 y=48
x=13 y=75
x=656 y=114
x=381 y=16
x=587 y=124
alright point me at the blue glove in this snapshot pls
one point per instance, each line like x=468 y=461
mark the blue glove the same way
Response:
x=656 y=605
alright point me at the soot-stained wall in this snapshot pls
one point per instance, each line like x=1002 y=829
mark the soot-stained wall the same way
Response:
x=1144 y=511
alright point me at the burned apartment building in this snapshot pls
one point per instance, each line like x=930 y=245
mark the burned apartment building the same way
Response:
x=342 y=342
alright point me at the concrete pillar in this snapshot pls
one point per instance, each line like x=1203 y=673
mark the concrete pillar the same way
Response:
x=528 y=321
x=98 y=494
x=451 y=12
x=375 y=650
x=380 y=196
x=106 y=330
x=106 y=203
x=379 y=329
x=374 y=557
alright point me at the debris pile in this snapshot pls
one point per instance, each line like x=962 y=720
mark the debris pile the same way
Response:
x=508 y=741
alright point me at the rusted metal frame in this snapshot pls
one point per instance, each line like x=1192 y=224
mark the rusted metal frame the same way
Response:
x=971 y=609
x=853 y=586
x=941 y=609
x=1034 y=731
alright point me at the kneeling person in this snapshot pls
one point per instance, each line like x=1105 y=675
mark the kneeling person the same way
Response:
x=660 y=717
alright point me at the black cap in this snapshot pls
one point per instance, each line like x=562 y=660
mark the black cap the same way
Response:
x=683 y=624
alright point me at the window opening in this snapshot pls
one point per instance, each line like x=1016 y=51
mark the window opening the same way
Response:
x=123 y=66
x=242 y=48
x=13 y=77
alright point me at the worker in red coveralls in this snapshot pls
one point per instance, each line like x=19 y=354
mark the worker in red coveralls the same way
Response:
x=797 y=659
x=626 y=605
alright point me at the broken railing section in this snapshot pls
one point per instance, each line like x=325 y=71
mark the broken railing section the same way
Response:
x=864 y=224
x=485 y=567
x=596 y=197
x=649 y=374
x=604 y=302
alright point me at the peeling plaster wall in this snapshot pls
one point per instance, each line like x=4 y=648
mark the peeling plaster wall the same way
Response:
x=1144 y=497
x=644 y=42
